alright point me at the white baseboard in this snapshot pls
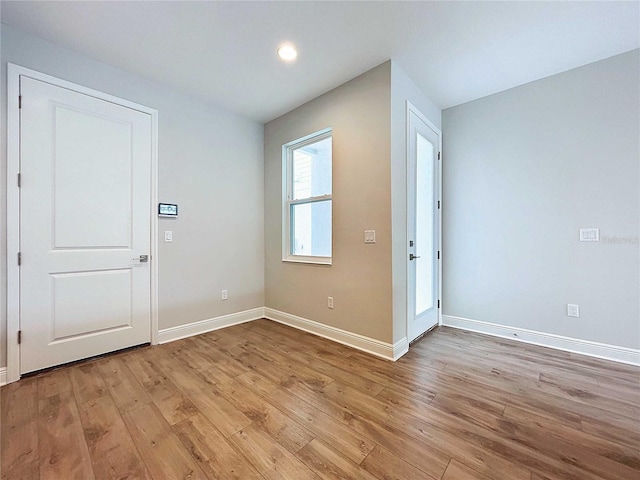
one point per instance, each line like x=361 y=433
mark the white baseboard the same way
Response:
x=369 y=345
x=400 y=348
x=574 y=345
x=203 y=326
x=360 y=342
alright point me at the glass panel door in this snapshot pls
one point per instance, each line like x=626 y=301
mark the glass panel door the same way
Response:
x=422 y=226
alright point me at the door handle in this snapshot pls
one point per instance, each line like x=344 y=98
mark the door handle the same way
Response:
x=413 y=257
x=142 y=258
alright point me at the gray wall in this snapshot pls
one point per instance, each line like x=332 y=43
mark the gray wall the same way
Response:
x=403 y=90
x=360 y=277
x=210 y=163
x=524 y=170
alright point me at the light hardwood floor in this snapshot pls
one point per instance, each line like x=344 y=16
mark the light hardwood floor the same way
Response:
x=264 y=401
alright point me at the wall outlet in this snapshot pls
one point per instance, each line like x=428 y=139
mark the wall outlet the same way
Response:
x=589 y=234
x=225 y=295
x=573 y=310
x=330 y=302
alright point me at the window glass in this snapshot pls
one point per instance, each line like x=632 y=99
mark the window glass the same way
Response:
x=312 y=170
x=311 y=229
x=425 y=227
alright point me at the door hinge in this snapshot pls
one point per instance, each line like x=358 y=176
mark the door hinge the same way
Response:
x=438 y=155
x=19 y=101
x=19 y=180
x=438 y=303
x=19 y=258
x=438 y=204
x=19 y=337
x=438 y=254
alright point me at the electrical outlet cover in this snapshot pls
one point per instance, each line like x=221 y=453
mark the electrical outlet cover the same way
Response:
x=573 y=310
x=589 y=234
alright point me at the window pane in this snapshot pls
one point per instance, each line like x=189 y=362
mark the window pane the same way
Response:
x=312 y=170
x=425 y=265
x=311 y=229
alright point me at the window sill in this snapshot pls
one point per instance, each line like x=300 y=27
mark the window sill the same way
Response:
x=309 y=260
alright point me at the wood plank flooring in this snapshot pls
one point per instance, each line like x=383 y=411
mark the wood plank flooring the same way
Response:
x=264 y=401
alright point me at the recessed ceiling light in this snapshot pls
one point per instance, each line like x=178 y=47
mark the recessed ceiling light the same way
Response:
x=287 y=53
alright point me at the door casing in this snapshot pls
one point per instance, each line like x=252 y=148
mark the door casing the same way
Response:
x=410 y=108
x=14 y=72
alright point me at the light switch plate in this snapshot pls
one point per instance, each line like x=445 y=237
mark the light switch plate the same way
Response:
x=573 y=310
x=168 y=236
x=589 y=234
x=369 y=236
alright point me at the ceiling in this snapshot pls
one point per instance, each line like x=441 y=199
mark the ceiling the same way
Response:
x=225 y=52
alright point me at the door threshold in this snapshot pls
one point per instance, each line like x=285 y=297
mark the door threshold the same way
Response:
x=82 y=360
x=421 y=336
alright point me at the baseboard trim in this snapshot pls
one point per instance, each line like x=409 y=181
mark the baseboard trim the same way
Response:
x=203 y=326
x=400 y=348
x=584 y=347
x=369 y=345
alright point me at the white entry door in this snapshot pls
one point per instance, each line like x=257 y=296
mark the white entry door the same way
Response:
x=423 y=226
x=85 y=225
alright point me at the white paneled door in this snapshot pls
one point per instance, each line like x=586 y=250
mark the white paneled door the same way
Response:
x=85 y=225
x=423 y=226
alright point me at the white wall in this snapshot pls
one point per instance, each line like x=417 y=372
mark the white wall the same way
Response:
x=524 y=170
x=403 y=90
x=210 y=163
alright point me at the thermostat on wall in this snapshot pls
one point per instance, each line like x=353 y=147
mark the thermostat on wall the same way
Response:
x=167 y=210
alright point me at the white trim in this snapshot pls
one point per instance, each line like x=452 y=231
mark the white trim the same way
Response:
x=13 y=203
x=369 y=345
x=13 y=223
x=400 y=348
x=550 y=340
x=154 y=228
x=287 y=202
x=411 y=108
x=3 y=376
x=203 y=326
x=311 y=260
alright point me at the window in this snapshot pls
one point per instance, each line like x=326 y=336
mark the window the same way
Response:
x=307 y=199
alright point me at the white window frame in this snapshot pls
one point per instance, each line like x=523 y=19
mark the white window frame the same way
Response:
x=288 y=202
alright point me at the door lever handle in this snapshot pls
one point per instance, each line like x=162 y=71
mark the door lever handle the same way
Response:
x=413 y=257
x=142 y=258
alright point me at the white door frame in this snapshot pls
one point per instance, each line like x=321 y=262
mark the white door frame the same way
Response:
x=413 y=109
x=13 y=203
